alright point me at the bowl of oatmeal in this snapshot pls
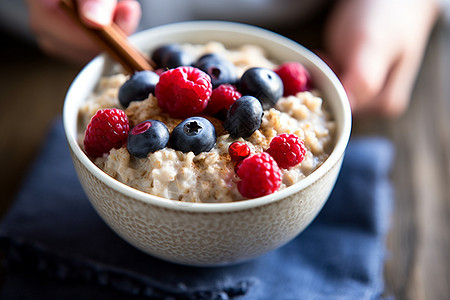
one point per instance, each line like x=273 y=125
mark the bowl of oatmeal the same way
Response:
x=219 y=187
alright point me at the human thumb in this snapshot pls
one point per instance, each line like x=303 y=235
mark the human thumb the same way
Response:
x=364 y=74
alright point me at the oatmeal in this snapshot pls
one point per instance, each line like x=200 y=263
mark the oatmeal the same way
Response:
x=210 y=176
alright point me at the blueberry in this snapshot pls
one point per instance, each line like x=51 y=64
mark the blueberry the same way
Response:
x=138 y=87
x=244 y=117
x=262 y=83
x=171 y=56
x=194 y=134
x=147 y=137
x=218 y=68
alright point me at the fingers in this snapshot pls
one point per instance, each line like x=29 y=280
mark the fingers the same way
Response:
x=365 y=74
x=399 y=65
x=394 y=98
x=59 y=36
x=97 y=13
x=376 y=49
x=128 y=15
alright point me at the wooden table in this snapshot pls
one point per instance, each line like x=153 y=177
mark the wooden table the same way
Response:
x=32 y=93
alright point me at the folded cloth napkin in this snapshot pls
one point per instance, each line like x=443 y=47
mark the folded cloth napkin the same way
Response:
x=56 y=246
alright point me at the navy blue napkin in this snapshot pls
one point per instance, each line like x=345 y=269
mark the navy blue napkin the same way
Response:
x=56 y=247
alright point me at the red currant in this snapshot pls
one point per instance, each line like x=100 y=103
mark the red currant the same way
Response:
x=238 y=151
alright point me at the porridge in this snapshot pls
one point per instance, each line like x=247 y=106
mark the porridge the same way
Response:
x=217 y=144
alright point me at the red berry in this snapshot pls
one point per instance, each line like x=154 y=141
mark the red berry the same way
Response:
x=183 y=92
x=222 y=98
x=287 y=150
x=260 y=176
x=295 y=78
x=238 y=151
x=107 y=129
x=237 y=166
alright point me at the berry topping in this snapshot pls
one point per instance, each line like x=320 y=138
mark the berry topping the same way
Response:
x=262 y=83
x=138 y=87
x=222 y=98
x=259 y=174
x=183 y=92
x=287 y=150
x=238 y=151
x=171 y=56
x=244 y=117
x=147 y=137
x=107 y=129
x=237 y=165
x=194 y=134
x=218 y=124
x=295 y=78
x=220 y=69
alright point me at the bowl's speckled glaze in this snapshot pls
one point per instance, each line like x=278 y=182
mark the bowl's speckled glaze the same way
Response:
x=207 y=234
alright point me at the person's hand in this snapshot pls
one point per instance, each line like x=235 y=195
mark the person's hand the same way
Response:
x=58 y=35
x=376 y=49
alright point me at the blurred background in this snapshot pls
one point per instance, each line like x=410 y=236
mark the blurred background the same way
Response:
x=32 y=92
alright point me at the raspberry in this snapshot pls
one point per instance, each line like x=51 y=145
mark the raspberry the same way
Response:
x=260 y=175
x=287 y=150
x=183 y=92
x=238 y=151
x=295 y=78
x=222 y=98
x=107 y=129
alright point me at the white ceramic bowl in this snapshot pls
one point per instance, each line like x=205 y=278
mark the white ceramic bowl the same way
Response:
x=206 y=234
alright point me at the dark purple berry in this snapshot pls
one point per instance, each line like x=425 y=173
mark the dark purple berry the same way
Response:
x=244 y=117
x=137 y=87
x=218 y=68
x=262 y=83
x=147 y=137
x=171 y=56
x=194 y=134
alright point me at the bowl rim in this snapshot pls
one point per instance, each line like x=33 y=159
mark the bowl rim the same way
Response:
x=334 y=157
